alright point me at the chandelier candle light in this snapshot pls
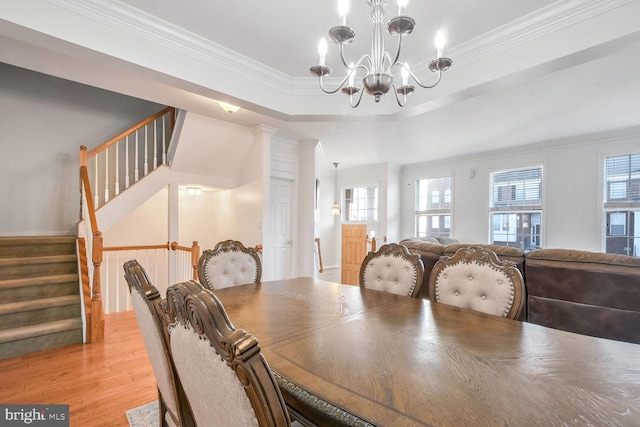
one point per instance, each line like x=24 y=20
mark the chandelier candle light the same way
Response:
x=378 y=67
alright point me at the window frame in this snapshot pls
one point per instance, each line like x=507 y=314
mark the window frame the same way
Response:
x=629 y=205
x=443 y=214
x=524 y=213
x=345 y=210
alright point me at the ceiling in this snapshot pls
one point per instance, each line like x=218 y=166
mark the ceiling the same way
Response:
x=523 y=72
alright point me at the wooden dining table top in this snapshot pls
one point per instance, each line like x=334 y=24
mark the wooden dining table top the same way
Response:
x=363 y=357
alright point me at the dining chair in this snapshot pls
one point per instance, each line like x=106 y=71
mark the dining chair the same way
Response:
x=473 y=277
x=229 y=263
x=225 y=376
x=148 y=306
x=393 y=269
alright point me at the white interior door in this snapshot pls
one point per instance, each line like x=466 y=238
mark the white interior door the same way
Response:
x=280 y=244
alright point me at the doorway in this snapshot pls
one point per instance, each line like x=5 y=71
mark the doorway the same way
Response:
x=354 y=249
x=280 y=242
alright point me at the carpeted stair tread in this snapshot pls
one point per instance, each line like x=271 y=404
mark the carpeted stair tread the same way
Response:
x=35 y=240
x=46 y=259
x=37 y=304
x=39 y=280
x=25 y=332
x=31 y=246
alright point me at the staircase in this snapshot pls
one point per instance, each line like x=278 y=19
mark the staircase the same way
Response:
x=39 y=294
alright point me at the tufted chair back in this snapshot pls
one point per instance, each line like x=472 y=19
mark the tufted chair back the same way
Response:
x=229 y=264
x=475 y=278
x=392 y=269
x=224 y=375
x=148 y=307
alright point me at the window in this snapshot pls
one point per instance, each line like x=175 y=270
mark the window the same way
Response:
x=516 y=207
x=361 y=204
x=433 y=207
x=622 y=204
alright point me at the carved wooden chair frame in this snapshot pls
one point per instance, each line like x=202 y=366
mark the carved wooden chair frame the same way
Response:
x=489 y=258
x=138 y=281
x=226 y=246
x=189 y=303
x=396 y=250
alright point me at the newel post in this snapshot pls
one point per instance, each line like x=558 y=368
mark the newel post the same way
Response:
x=97 y=310
x=84 y=155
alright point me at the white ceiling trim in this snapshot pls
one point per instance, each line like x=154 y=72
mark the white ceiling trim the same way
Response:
x=113 y=13
x=549 y=19
x=133 y=21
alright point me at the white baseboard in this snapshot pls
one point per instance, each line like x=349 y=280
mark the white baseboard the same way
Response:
x=330 y=274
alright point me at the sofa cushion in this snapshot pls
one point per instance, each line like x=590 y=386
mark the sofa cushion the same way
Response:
x=585 y=319
x=585 y=277
x=585 y=292
x=447 y=240
x=430 y=252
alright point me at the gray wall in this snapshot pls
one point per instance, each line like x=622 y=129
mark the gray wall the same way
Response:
x=43 y=122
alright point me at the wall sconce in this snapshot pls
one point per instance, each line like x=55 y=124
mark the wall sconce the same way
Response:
x=228 y=107
x=335 y=209
x=194 y=191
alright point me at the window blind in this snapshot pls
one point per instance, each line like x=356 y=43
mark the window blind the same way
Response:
x=515 y=189
x=622 y=181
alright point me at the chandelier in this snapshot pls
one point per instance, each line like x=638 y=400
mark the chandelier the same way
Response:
x=378 y=67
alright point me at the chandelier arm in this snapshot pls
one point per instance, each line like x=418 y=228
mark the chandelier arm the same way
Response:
x=398 y=49
x=395 y=92
x=359 y=99
x=341 y=54
x=337 y=89
x=360 y=63
x=332 y=91
x=427 y=86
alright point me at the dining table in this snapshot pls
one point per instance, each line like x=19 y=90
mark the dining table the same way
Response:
x=344 y=355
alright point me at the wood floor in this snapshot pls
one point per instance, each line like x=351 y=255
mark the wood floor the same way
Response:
x=99 y=381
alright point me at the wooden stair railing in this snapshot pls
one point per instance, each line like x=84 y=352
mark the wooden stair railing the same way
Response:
x=128 y=160
x=193 y=250
x=195 y=255
x=123 y=160
x=94 y=314
x=373 y=243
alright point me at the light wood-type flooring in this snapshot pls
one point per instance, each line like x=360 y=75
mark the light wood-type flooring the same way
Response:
x=99 y=381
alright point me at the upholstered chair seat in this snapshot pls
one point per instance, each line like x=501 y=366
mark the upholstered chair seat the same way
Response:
x=224 y=375
x=230 y=263
x=475 y=278
x=392 y=269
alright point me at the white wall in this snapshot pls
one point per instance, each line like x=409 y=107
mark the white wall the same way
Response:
x=196 y=219
x=146 y=225
x=572 y=188
x=208 y=218
x=387 y=177
x=328 y=226
x=44 y=122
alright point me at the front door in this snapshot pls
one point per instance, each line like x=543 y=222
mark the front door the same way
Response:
x=354 y=249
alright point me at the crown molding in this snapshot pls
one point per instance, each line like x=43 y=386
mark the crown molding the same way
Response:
x=113 y=13
x=554 y=17
x=121 y=16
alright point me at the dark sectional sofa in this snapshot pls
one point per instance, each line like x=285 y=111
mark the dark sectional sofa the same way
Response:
x=584 y=292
